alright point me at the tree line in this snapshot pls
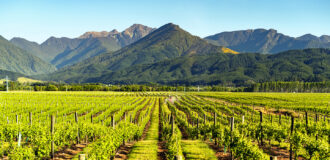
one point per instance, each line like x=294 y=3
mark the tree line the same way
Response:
x=323 y=87
x=279 y=86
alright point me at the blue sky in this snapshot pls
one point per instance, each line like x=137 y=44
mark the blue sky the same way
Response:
x=37 y=20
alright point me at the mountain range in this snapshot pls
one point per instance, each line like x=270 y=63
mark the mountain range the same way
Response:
x=167 y=42
x=171 y=55
x=266 y=41
x=65 y=51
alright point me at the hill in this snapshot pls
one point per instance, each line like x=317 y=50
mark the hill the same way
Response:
x=11 y=75
x=266 y=41
x=15 y=59
x=87 y=48
x=294 y=65
x=167 y=42
x=241 y=69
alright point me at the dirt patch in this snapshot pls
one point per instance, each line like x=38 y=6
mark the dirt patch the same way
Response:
x=69 y=152
x=98 y=113
x=280 y=153
x=162 y=150
x=124 y=150
x=219 y=151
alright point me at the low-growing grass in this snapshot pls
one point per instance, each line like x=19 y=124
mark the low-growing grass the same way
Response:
x=196 y=149
x=147 y=149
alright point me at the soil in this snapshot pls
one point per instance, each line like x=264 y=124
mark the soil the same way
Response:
x=69 y=152
x=219 y=152
x=280 y=153
x=124 y=150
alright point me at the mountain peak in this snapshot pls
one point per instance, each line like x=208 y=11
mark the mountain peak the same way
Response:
x=307 y=37
x=325 y=38
x=171 y=26
x=93 y=34
x=114 y=31
x=137 y=30
x=16 y=40
x=136 y=26
x=261 y=30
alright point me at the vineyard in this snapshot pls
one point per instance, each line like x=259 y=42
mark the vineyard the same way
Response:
x=164 y=125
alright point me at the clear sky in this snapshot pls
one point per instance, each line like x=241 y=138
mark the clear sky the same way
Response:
x=37 y=20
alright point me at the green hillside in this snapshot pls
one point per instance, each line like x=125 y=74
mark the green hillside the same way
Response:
x=305 y=65
x=11 y=75
x=18 y=60
x=88 y=48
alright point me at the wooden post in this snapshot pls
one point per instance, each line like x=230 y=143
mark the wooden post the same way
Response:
x=186 y=119
x=76 y=118
x=82 y=157
x=242 y=119
x=271 y=118
x=215 y=118
x=91 y=118
x=204 y=118
x=197 y=122
x=112 y=121
x=306 y=116
x=292 y=124
x=172 y=123
x=30 y=117
x=292 y=127
x=231 y=129
x=273 y=157
x=261 y=134
x=253 y=114
x=232 y=124
x=52 y=123
x=279 y=119
x=197 y=126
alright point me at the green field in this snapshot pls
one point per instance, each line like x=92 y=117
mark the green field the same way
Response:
x=164 y=125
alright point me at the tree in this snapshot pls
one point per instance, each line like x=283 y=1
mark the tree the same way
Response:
x=51 y=88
